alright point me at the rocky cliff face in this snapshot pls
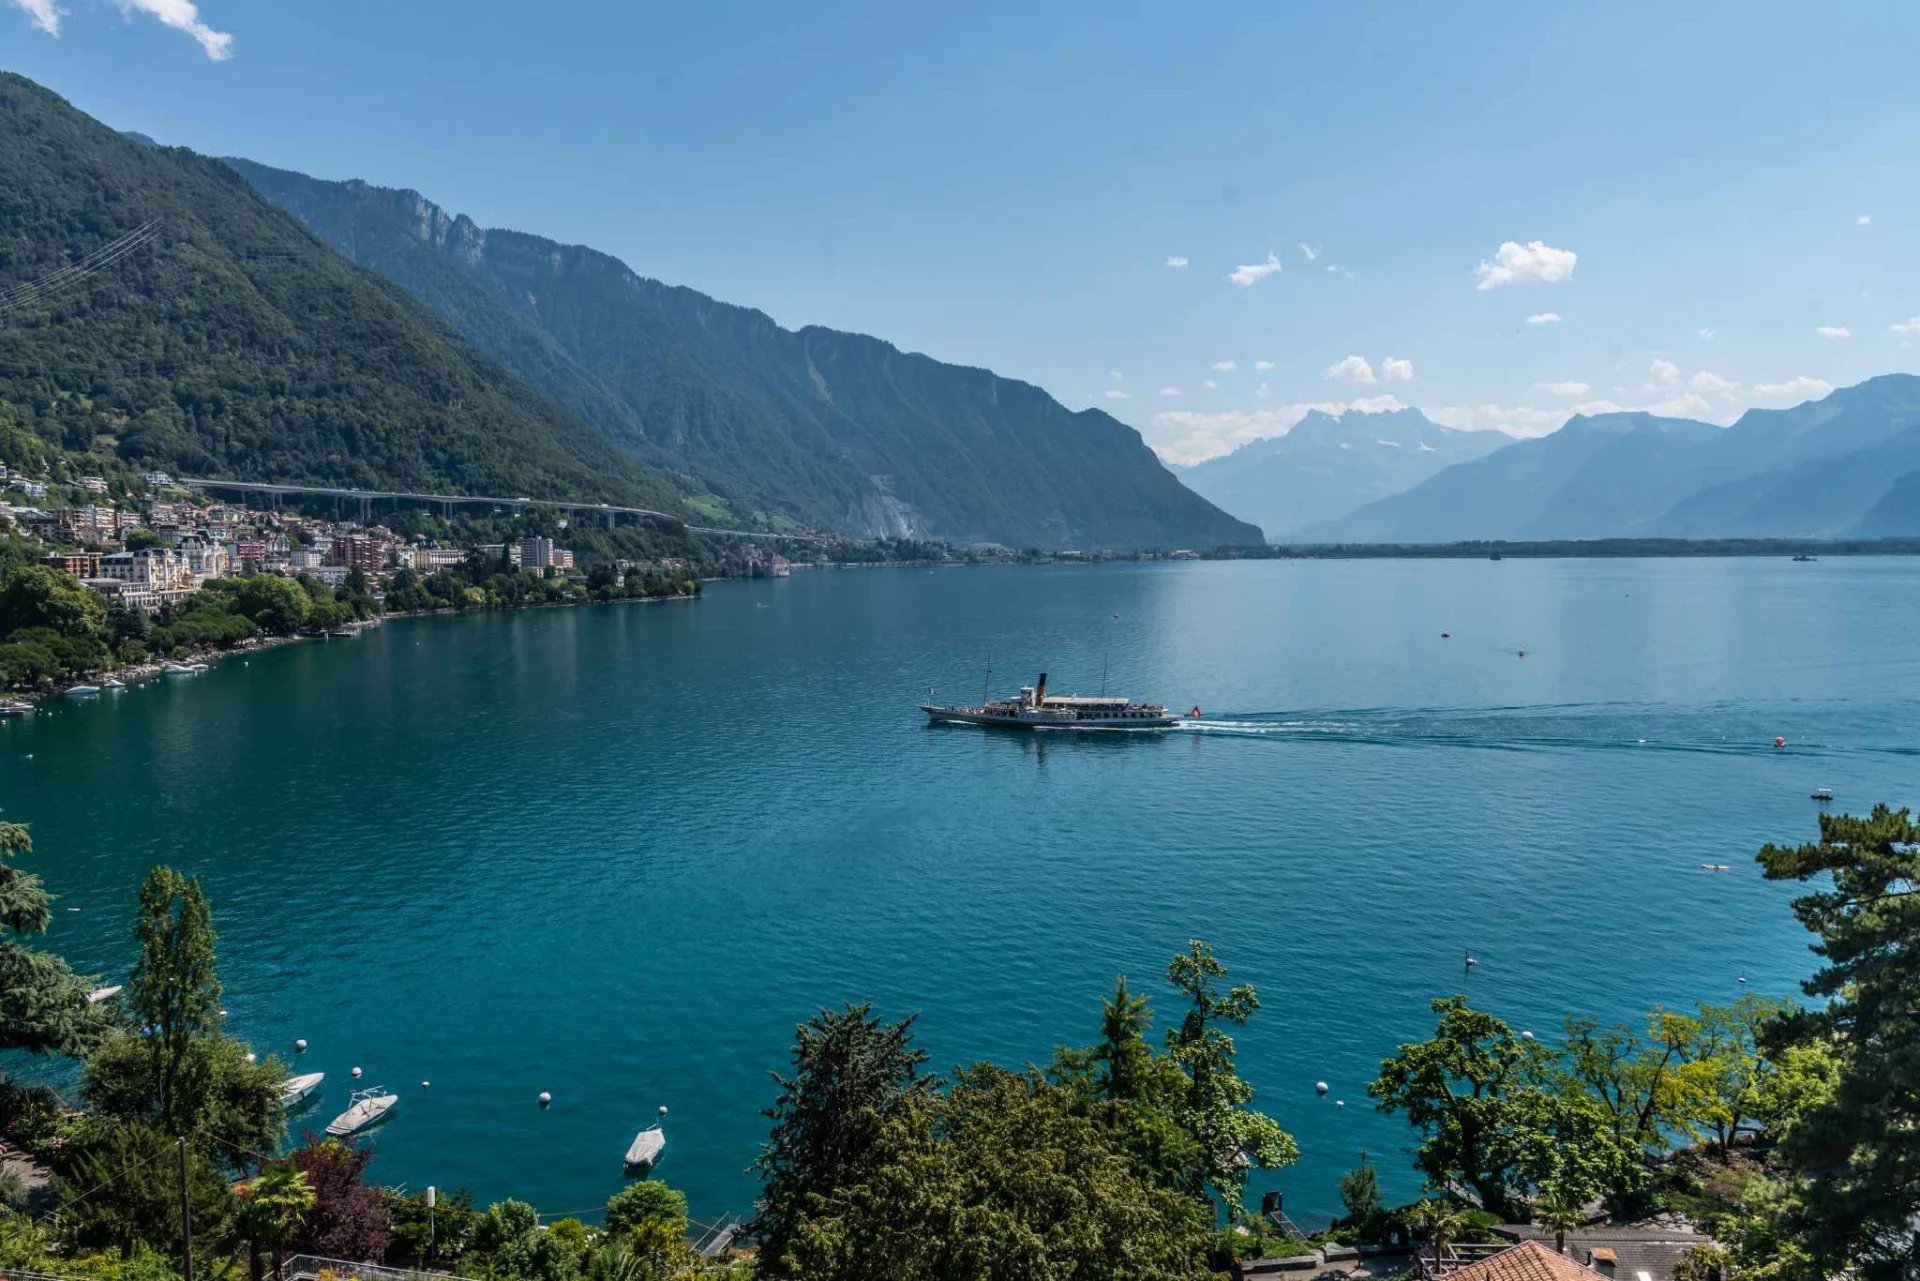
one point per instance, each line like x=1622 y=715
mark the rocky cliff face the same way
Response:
x=831 y=429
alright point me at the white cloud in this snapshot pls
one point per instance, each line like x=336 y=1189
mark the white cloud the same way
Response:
x=1209 y=384
x=1263 y=391
x=1707 y=380
x=1254 y=273
x=1264 y=366
x=1353 y=369
x=45 y=14
x=184 y=15
x=1224 y=366
x=1536 y=260
x=1705 y=333
x=1307 y=249
x=1114 y=393
x=1564 y=389
x=1906 y=326
x=1833 y=331
x=1176 y=261
x=1863 y=220
x=1189 y=436
x=1544 y=318
x=1170 y=392
x=1518 y=420
x=1662 y=373
x=1395 y=370
x=1794 y=389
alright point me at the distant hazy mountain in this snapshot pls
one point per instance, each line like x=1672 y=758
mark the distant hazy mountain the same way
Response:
x=833 y=429
x=1329 y=465
x=1842 y=466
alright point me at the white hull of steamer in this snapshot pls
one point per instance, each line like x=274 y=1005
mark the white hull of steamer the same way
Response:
x=1032 y=708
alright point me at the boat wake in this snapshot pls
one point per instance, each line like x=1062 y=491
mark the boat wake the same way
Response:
x=1713 y=729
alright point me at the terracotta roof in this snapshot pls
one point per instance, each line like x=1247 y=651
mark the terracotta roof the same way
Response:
x=1528 y=1261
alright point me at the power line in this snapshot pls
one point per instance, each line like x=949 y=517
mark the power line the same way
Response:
x=63 y=278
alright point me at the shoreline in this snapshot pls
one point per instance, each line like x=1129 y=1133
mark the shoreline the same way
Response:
x=154 y=668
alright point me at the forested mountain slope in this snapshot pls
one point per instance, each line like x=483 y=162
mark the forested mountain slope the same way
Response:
x=216 y=336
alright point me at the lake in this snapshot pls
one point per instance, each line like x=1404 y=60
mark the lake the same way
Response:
x=616 y=853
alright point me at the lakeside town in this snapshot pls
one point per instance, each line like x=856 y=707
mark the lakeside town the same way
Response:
x=167 y=542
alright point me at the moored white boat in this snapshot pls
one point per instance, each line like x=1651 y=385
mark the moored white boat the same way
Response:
x=100 y=994
x=368 y=1106
x=644 y=1152
x=297 y=1088
x=82 y=691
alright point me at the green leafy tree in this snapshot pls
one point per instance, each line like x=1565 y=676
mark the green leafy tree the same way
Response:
x=43 y=1004
x=852 y=1073
x=647 y=1204
x=1231 y=1137
x=1000 y=1178
x=42 y=596
x=136 y=1169
x=1857 y=1202
x=218 y=1096
x=1470 y=1091
x=175 y=992
x=275 y=604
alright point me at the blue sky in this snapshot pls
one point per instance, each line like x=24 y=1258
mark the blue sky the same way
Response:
x=1004 y=184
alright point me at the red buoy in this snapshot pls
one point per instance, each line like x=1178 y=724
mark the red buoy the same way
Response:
x=1778 y=742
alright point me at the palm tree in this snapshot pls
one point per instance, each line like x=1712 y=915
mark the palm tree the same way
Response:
x=1439 y=1222
x=276 y=1204
x=1563 y=1217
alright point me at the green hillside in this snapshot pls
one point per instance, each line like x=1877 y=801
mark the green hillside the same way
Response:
x=211 y=334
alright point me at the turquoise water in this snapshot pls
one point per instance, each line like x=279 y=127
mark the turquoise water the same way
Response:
x=617 y=853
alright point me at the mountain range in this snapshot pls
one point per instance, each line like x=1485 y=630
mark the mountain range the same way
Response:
x=1327 y=465
x=830 y=429
x=1844 y=466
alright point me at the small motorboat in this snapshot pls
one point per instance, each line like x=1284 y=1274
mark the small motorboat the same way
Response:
x=644 y=1152
x=82 y=691
x=297 y=1088
x=199 y=667
x=178 y=669
x=1823 y=793
x=367 y=1107
x=15 y=709
x=112 y=685
x=100 y=994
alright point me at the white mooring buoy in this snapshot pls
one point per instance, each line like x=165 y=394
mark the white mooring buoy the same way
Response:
x=300 y=1046
x=356 y=1072
x=425 y=1084
x=545 y=1098
x=1320 y=1087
